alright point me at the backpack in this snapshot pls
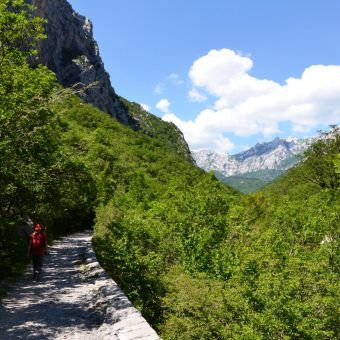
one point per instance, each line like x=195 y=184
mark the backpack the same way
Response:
x=38 y=243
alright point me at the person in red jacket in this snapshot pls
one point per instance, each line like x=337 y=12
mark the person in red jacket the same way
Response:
x=37 y=248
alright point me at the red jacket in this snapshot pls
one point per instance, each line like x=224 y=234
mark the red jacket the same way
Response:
x=38 y=243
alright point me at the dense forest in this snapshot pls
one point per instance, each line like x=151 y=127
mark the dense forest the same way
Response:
x=197 y=258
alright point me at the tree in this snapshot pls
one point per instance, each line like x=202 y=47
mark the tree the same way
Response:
x=27 y=125
x=319 y=167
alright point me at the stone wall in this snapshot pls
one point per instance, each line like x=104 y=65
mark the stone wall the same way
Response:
x=118 y=317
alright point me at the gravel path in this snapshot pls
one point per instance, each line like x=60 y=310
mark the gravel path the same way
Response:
x=75 y=299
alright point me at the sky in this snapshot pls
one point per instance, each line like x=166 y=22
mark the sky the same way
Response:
x=228 y=73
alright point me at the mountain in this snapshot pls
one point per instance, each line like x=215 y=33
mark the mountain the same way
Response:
x=176 y=240
x=153 y=126
x=71 y=52
x=253 y=168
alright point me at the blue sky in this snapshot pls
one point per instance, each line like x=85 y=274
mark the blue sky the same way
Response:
x=219 y=68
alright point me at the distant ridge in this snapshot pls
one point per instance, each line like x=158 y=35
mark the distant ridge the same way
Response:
x=262 y=162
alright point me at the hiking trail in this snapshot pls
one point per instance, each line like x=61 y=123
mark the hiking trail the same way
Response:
x=74 y=300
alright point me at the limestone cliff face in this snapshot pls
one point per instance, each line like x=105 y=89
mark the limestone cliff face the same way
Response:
x=71 y=52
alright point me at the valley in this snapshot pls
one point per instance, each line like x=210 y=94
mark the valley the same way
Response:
x=256 y=167
x=197 y=258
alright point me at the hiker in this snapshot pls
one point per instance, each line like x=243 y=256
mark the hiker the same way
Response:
x=37 y=248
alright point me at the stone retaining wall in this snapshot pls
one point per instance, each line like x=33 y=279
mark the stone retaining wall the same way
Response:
x=119 y=318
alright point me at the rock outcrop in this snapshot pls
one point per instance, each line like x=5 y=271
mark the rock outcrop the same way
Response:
x=72 y=53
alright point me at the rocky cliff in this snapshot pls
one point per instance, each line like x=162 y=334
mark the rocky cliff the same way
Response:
x=72 y=53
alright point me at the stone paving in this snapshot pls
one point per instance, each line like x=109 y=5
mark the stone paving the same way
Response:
x=74 y=300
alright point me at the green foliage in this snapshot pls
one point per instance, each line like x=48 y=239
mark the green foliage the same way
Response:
x=26 y=123
x=37 y=178
x=242 y=184
x=196 y=259
x=26 y=127
x=166 y=133
x=20 y=32
x=199 y=260
x=155 y=208
x=202 y=308
x=319 y=167
x=337 y=163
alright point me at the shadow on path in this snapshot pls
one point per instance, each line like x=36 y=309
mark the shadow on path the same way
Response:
x=42 y=310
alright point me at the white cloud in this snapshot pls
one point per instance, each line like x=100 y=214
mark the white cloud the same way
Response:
x=199 y=137
x=159 y=88
x=174 y=77
x=196 y=96
x=145 y=107
x=247 y=106
x=163 y=105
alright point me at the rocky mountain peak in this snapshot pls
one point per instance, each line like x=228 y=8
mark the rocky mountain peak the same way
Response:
x=72 y=53
x=278 y=154
x=263 y=148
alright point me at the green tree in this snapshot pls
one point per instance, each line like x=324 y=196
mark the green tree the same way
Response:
x=319 y=167
x=26 y=123
x=28 y=128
